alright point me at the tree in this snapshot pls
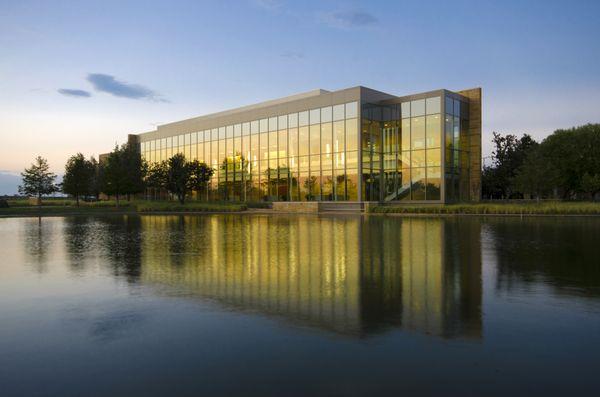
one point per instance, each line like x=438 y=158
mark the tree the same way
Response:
x=156 y=177
x=96 y=177
x=590 y=184
x=79 y=176
x=136 y=170
x=179 y=176
x=537 y=176
x=38 y=181
x=200 y=175
x=115 y=178
x=508 y=156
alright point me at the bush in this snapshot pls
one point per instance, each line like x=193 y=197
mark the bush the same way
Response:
x=534 y=208
x=171 y=206
x=3 y=203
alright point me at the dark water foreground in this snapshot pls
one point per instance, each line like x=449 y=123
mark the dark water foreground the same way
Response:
x=299 y=305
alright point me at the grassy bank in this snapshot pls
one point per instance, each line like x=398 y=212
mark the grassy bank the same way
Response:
x=170 y=206
x=68 y=207
x=544 y=208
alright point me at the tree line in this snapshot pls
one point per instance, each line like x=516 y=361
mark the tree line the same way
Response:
x=565 y=165
x=122 y=174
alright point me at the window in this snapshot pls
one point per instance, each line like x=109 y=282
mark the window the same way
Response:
x=434 y=157
x=293 y=120
x=351 y=134
x=417 y=132
x=315 y=116
x=351 y=110
x=405 y=131
x=282 y=122
x=315 y=139
x=302 y=119
x=273 y=124
x=405 y=110
x=326 y=114
x=326 y=138
x=338 y=136
x=338 y=112
x=417 y=108
x=449 y=105
x=433 y=105
x=303 y=141
x=433 y=131
x=293 y=142
x=263 y=125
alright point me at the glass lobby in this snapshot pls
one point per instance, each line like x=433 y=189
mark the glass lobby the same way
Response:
x=402 y=150
x=306 y=156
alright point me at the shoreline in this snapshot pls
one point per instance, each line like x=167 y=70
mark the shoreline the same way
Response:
x=261 y=211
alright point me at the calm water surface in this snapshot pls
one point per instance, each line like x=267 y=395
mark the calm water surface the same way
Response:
x=299 y=305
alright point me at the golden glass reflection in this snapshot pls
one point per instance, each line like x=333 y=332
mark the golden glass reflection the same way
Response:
x=350 y=275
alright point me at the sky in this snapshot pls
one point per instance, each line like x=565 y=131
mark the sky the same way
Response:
x=78 y=76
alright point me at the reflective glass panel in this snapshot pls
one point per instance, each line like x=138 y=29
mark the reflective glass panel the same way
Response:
x=272 y=123
x=417 y=132
x=405 y=131
x=293 y=120
x=351 y=110
x=264 y=125
x=338 y=136
x=326 y=114
x=417 y=107
x=315 y=139
x=351 y=134
x=405 y=109
x=433 y=130
x=303 y=141
x=303 y=118
x=282 y=122
x=433 y=105
x=338 y=112
x=315 y=116
x=434 y=157
x=326 y=138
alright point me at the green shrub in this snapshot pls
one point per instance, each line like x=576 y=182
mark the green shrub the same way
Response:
x=533 y=208
x=172 y=206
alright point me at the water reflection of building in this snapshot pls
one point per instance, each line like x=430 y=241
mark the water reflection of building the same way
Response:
x=350 y=275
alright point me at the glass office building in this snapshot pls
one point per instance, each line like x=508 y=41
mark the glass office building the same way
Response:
x=356 y=144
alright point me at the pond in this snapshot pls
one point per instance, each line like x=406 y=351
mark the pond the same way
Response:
x=294 y=305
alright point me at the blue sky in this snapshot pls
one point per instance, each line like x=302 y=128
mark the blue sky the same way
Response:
x=81 y=75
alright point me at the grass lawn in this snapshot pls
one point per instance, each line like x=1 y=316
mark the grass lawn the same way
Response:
x=66 y=207
x=533 y=208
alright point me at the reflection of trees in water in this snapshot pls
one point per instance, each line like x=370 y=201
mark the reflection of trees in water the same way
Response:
x=350 y=275
x=38 y=237
x=121 y=239
x=79 y=237
x=561 y=252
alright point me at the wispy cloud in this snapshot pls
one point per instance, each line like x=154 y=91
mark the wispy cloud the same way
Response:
x=110 y=85
x=348 y=19
x=292 y=55
x=74 y=93
x=270 y=5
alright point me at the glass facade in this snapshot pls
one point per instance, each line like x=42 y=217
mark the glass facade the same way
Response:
x=402 y=150
x=304 y=156
x=409 y=149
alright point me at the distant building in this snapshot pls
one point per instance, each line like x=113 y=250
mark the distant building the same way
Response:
x=355 y=144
